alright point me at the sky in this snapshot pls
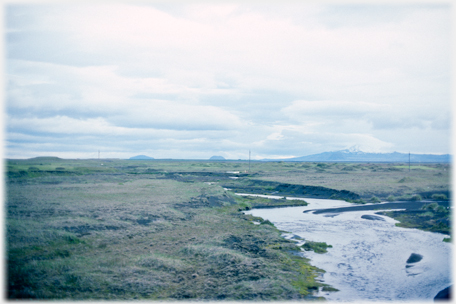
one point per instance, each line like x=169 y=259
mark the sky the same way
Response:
x=190 y=80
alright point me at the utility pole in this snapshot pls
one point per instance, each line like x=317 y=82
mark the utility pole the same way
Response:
x=249 y=161
x=98 y=154
x=409 y=161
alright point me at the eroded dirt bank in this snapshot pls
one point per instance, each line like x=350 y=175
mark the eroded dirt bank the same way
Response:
x=276 y=188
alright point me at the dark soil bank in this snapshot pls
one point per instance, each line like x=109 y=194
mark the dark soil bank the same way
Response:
x=197 y=176
x=414 y=258
x=259 y=187
x=444 y=295
x=372 y=217
x=392 y=205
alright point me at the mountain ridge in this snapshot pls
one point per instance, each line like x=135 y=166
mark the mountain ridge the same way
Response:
x=141 y=157
x=357 y=155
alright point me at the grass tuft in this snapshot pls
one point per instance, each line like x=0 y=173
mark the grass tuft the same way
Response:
x=317 y=247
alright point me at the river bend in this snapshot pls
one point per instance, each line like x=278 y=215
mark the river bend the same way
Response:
x=368 y=260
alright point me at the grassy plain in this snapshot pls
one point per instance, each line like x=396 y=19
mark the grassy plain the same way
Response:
x=162 y=229
x=366 y=179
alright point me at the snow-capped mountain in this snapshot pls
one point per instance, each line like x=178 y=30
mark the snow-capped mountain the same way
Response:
x=353 y=149
x=354 y=154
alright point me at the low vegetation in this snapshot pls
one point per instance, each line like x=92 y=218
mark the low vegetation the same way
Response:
x=433 y=217
x=249 y=202
x=169 y=230
x=366 y=179
x=122 y=231
x=317 y=247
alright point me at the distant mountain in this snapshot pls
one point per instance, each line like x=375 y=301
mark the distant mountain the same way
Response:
x=355 y=155
x=141 y=157
x=217 y=158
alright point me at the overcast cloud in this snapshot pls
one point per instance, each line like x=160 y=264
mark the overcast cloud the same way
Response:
x=192 y=80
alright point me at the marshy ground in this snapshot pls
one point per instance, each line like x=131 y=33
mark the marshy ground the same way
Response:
x=162 y=229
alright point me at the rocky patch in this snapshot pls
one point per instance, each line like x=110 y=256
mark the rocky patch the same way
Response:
x=414 y=258
x=372 y=217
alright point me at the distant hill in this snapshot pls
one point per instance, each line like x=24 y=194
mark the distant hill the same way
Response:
x=48 y=158
x=217 y=158
x=359 y=156
x=141 y=157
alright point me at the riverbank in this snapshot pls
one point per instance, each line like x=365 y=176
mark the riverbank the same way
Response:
x=381 y=206
x=364 y=262
x=431 y=216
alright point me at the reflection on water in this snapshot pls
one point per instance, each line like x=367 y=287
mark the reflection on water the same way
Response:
x=370 y=256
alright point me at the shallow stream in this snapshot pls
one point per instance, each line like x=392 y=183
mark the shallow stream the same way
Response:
x=368 y=258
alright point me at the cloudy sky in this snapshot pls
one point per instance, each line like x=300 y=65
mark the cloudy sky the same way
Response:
x=196 y=79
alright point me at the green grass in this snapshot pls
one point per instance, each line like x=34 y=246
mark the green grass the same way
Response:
x=317 y=247
x=432 y=217
x=367 y=180
x=414 y=167
x=427 y=220
x=249 y=202
x=104 y=236
x=167 y=230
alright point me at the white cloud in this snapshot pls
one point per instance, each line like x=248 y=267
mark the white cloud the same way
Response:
x=288 y=79
x=329 y=108
x=376 y=115
x=300 y=140
x=274 y=136
x=100 y=90
x=173 y=115
x=64 y=125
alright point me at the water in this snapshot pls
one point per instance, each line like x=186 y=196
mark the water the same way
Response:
x=368 y=257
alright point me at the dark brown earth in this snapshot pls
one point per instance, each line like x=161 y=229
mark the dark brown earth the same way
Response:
x=414 y=258
x=275 y=188
x=384 y=206
x=444 y=295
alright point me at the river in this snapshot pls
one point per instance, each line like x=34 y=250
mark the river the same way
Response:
x=368 y=258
